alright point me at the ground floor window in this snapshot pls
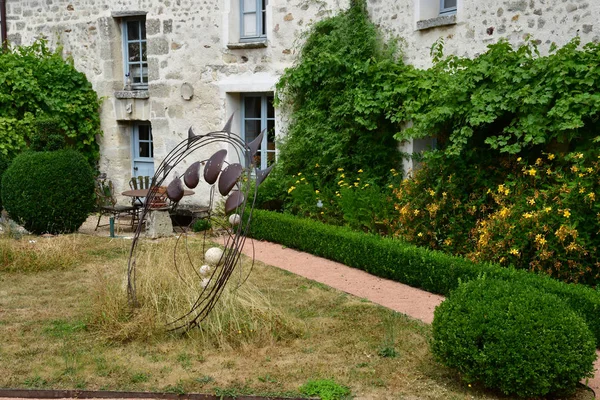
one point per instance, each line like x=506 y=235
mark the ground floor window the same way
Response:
x=142 y=149
x=258 y=114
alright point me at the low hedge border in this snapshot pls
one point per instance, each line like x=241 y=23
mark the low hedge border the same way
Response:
x=433 y=271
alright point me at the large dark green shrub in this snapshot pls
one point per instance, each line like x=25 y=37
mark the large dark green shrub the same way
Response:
x=393 y=259
x=512 y=337
x=49 y=192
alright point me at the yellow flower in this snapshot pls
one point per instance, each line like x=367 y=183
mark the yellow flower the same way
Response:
x=298 y=181
x=590 y=170
x=548 y=209
x=579 y=155
x=538 y=161
x=531 y=202
x=448 y=242
x=291 y=189
x=528 y=215
x=519 y=159
x=514 y=252
x=317 y=165
x=567 y=213
x=532 y=171
x=340 y=182
x=444 y=194
x=390 y=186
x=299 y=173
x=551 y=156
x=431 y=192
x=540 y=239
x=317 y=192
x=340 y=169
x=360 y=171
x=549 y=171
x=322 y=212
x=393 y=170
x=355 y=184
x=303 y=179
x=366 y=185
x=574 y=168
x=582 y=190
x=592 y=196
x=358 y=179
x=416 y=212
x=420 y=234
x=342 y=175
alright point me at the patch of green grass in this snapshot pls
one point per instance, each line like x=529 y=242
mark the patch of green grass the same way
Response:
x=326 y=389
x=34 y=382
x=204 y=380
x=62 y=329
x=140 y=377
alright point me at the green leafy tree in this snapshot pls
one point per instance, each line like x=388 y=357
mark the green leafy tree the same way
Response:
x=38 y=84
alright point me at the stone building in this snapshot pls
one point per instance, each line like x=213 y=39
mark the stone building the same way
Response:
x=161 y=66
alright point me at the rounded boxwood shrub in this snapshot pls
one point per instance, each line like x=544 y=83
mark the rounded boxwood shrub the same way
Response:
x=512 y=337
x=49 y=192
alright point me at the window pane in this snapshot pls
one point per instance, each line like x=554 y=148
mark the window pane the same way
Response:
x=249 y=5
x=263 y=28
x=252 y=107
x=143 y=24
x=133 y=50
x=144 y=73
x=270 y=158
x=144 y=53
x=252 y=129
x=249 y=24
x=144 y=132
x=271 y=135
x=133 y=30
x=449 y=3
x=270 y=108
x=145 y=149
x=135 y=72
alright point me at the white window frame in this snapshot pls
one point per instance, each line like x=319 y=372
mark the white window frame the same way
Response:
x=264 y=151
x=260 y=12
x=143 y=64
x=447 y=10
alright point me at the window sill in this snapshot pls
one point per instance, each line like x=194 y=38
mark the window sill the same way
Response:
x=442 y=20
x=132 y=94
x=247 y=45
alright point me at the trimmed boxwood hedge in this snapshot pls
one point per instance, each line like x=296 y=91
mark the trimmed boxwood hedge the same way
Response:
x=433 y=271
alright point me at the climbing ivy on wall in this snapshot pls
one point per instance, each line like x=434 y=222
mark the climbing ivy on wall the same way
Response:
x=509 y=100
x=38 y=84
x=334 y=94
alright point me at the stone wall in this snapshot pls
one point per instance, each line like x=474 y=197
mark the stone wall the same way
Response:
x=195 y=43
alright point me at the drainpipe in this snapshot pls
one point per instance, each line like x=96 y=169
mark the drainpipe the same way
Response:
x=3 y=25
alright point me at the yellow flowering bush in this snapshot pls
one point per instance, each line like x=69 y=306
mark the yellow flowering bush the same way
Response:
x=539 y=214
x=549 y=222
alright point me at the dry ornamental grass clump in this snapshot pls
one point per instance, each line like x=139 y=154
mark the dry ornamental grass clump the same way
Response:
x=166 y=291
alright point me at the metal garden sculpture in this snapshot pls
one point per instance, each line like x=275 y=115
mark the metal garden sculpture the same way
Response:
x=230 y=182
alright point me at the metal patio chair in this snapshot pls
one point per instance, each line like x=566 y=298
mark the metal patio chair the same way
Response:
x=107 y=204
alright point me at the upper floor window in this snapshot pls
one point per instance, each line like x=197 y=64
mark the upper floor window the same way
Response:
x=258 y=114
x=447 y=6
x=134 y=53
x=253 y=15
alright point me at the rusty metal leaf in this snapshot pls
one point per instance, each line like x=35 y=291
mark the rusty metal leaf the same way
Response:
x=191 y=178
x=213 y=166
x=254 y=145
x=227 y=127
x=234 y=201
x=229 y=177
x=175 y=190
x=261 y=174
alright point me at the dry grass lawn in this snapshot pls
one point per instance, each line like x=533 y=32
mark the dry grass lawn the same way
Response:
x=64 y=323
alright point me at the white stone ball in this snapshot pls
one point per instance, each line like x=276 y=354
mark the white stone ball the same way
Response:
x=235 y=219
x=205 y=282
x=204 y=270
x=213 y=256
